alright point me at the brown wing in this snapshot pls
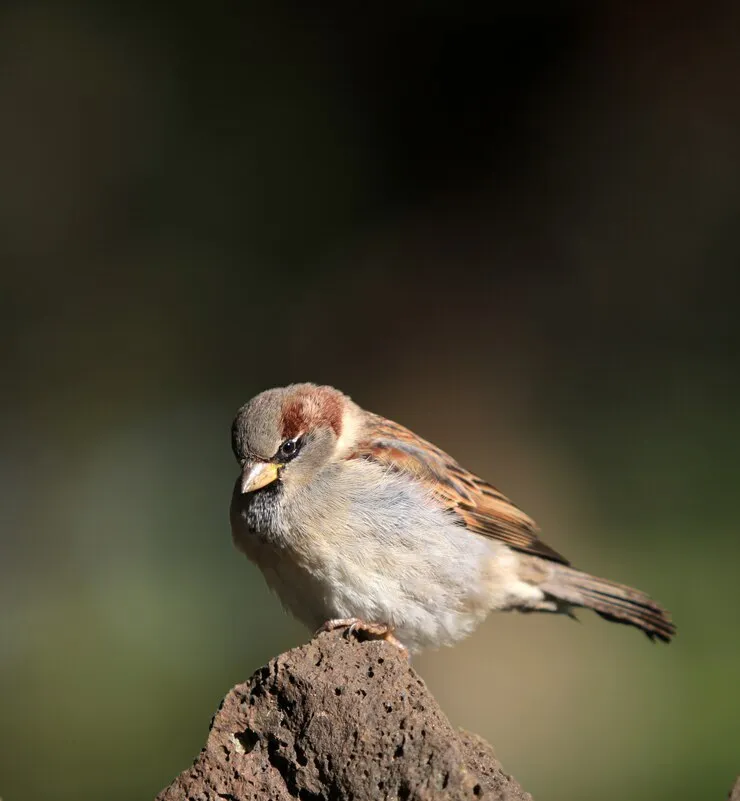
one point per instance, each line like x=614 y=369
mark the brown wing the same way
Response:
x=480 y=507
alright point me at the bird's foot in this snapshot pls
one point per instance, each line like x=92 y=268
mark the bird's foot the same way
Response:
x=364 y=631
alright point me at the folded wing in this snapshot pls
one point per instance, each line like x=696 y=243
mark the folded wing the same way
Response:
x=480 y=507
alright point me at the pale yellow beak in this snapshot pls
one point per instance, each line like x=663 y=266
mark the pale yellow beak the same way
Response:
x=257 y=475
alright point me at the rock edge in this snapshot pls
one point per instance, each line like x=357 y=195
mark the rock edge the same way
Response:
x=339 y=719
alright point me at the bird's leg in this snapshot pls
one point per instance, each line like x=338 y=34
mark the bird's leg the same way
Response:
x=365 y=630
x=337 y=623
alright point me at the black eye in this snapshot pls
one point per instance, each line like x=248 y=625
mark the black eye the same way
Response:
x=289 y=448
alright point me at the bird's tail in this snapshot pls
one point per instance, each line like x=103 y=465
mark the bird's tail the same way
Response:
x=615 y=602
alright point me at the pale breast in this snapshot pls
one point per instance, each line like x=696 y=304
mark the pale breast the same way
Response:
x=378 y=548
x=360 y=542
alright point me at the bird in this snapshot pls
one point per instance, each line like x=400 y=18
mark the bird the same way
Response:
x=358 y=523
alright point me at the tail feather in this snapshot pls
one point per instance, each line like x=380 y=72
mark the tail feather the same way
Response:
x=615 y=602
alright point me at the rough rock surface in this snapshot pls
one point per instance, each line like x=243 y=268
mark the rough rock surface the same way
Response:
x=339 y=719
x=735 y=792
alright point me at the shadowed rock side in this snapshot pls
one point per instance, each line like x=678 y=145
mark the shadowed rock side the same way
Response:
x=339 y=719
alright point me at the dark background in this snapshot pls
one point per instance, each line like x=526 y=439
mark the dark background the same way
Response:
x=514 y=230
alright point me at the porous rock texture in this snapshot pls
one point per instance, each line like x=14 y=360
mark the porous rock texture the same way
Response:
x=339 y=719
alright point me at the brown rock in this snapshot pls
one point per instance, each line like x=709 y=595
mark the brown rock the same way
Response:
x=735 y=792
x=339 y=719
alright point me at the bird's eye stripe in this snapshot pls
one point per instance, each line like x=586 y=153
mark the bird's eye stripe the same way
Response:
x=289 y=449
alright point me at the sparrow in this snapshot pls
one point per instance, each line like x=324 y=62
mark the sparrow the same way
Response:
x=357 y=522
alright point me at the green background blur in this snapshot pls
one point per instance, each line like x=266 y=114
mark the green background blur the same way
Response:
x=516 y=232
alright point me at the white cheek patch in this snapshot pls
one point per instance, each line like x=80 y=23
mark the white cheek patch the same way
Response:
x=350 y=428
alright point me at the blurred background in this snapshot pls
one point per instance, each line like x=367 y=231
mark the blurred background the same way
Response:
x=514 y=230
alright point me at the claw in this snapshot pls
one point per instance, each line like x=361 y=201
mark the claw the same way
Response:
x=337 y=623
x=353 y=626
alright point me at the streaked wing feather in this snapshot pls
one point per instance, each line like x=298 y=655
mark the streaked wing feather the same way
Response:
x=480 y=506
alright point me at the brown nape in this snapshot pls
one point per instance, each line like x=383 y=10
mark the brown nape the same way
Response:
x=293 y=420
x=312 y=407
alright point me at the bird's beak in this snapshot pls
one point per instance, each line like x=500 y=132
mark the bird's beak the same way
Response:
x=257 y=475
